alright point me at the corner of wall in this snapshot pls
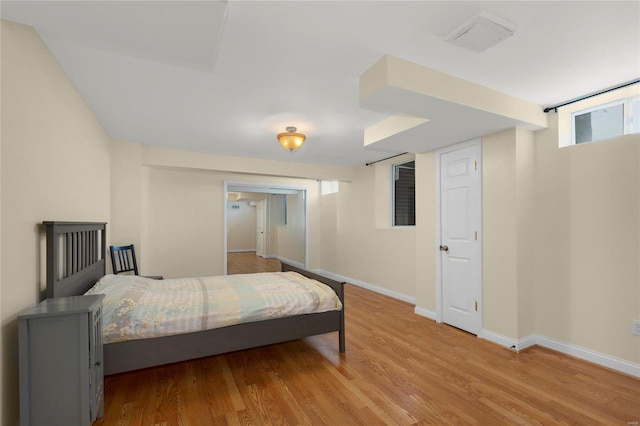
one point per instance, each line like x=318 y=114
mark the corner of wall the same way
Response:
x=509 y=233
x=426 y=226
x=127 y=196
x=499 y=233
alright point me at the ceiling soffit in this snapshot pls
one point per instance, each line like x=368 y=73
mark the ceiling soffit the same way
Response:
x=431 y=109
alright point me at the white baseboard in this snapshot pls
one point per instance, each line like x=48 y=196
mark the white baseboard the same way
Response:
x=240 y=250
x=609 y=361
x=374 y=288
x=425 y=313
x=604 y=360
x=499 y=339
x=527 y=342
x=289 y=261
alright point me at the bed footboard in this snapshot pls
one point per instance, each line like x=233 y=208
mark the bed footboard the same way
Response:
x=337 y=286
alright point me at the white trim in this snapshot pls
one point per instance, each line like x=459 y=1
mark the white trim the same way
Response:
x=425 y=313
x=609 y=361
x=304 y=191
x=627 y=111
x=527 y=342
x=262 y=221
x=367 y=286
x=289 y=261
x=305 y=194
x=439 y=314
x=477 y=143
x=499 y=339
x=225 y=228
x=589 y=355
x=241 y=250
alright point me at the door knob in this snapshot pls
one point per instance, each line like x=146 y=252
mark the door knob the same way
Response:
x=444 y=248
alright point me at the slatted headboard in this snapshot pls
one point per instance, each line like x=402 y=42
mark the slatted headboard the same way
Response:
x=75 y=256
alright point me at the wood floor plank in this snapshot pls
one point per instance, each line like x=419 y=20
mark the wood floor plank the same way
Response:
x=399 y=369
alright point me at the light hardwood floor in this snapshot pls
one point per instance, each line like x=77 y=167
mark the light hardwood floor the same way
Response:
x=399 y=369
x=248 y=262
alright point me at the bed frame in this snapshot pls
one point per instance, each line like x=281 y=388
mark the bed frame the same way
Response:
x=76 y=260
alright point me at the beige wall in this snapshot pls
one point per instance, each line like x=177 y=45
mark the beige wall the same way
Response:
x=587 y=243
x=426 y=241
x=241 y=226
x=561 y=244
x=127 y=199
x=290 y=238
x=385 y=258
x=55 y=166
x=185 y=226
x=329 y=229
x=525 y=228
x=508 y=193
x=499 y=234
x=181 y=218
x=275 y=204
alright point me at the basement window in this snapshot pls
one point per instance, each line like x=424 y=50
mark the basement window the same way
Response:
x=328 y=187
x=606 y=121
x=404 y=194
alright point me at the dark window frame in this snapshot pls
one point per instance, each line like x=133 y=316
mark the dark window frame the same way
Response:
x=403 y=198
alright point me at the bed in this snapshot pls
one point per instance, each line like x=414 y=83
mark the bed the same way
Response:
x=76 y=261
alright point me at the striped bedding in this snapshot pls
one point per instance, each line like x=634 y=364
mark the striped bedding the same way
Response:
x=139 y=308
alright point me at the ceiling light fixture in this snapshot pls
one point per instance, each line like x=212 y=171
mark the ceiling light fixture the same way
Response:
x=291 y=140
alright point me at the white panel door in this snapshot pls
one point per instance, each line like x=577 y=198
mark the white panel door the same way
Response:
x=260 y=228
x=460 y=249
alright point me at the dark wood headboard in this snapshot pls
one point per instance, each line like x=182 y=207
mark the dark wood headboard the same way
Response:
x=76 y=254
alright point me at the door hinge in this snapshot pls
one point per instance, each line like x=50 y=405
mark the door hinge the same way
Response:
x=475 y=165
x=475 y=235
x=476 y=306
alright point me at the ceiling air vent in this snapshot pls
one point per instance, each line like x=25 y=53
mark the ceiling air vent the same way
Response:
x=481 y=32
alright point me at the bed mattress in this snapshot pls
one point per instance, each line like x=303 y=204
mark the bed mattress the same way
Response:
x=135 y=307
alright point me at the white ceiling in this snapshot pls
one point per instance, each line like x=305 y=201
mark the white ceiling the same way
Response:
x=226 y=77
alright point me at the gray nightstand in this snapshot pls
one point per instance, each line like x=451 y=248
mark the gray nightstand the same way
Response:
x=61 y=371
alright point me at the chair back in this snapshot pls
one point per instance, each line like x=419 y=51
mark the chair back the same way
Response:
x=123 y=259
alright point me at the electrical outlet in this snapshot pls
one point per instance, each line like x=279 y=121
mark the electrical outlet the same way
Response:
x=635 y=327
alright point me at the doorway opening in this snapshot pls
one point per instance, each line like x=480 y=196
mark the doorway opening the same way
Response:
x=264 y=224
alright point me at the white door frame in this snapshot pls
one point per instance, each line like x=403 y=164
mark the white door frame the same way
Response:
x=264 y=220
x=249 y=186
x=477 y=142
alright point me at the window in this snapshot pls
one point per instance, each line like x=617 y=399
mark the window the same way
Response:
x=404 y=194
x=606 y=121
x=329 y=187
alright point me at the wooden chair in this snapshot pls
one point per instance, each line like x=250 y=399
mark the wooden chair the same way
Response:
x=123 y=259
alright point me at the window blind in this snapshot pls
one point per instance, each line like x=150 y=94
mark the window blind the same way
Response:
x=404 y=194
